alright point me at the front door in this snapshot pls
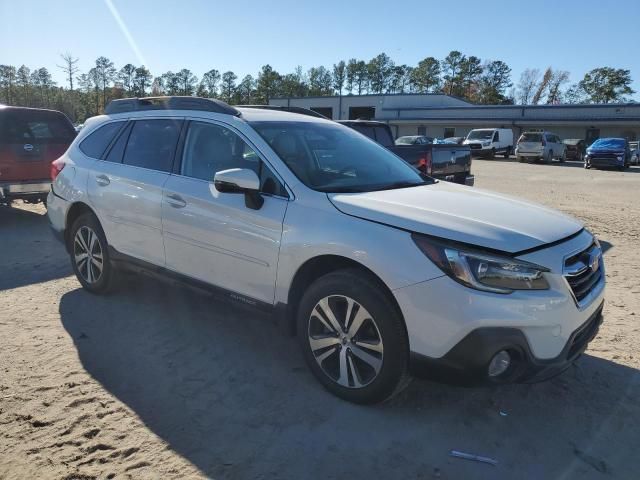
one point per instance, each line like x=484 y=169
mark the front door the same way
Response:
x=212 y=236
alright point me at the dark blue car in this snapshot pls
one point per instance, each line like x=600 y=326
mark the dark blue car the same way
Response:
x=608 y=152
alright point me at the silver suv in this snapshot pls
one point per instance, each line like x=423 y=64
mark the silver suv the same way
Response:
x=379 y=270
x=545 y=146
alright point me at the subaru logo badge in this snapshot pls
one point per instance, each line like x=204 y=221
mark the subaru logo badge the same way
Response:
x=27 y=147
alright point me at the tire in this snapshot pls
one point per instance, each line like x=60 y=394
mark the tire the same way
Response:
x=507 y=152
x=549 y=157
x=341 y=371
x=492 y=154
x=520 y=159
x=86 y=235
x=563 y=158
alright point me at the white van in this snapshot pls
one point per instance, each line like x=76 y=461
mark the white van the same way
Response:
x=486 y=142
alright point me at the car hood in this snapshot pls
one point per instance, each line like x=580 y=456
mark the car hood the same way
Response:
x=463 y=214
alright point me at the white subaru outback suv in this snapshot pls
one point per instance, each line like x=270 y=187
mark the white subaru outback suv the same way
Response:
x=380 y=271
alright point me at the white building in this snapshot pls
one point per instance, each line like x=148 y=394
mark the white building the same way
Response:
x=438 y=115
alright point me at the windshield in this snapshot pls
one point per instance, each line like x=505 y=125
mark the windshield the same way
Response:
x=609 y=143
x=480 y=135
x=332 y=158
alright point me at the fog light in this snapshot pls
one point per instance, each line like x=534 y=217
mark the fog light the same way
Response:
x=499 y=363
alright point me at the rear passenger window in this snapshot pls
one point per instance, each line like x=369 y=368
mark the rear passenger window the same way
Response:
x=152 y=144
x=97 y=142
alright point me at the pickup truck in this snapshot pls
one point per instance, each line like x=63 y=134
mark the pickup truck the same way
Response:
x=30 y=139
x=448 y=162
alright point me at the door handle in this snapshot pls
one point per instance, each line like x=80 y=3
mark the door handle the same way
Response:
x=102 y=180
x=176 y=201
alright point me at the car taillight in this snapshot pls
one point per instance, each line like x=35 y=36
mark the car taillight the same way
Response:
x=425 y=164
x=55 y=168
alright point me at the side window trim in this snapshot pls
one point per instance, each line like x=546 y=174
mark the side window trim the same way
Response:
x=124 y=130
x=181 y=144
x=113 y=140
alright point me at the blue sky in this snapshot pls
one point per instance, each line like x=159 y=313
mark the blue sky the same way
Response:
x=242 y=35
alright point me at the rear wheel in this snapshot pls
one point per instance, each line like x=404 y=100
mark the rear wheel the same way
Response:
x=353 y=338
x=507 y=152
x=90 y=255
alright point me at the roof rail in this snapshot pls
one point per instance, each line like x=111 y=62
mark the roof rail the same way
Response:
x=282 y=108
x=169 y=103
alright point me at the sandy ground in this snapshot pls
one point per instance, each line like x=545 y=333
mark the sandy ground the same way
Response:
x=157 y=381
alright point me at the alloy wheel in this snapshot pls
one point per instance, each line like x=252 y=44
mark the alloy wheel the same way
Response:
x=88 y=255
x=345 y=341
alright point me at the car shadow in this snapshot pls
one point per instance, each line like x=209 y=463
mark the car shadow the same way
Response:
x=30 y=253
x=556 y=163
x=227 y=391
x=606 y=246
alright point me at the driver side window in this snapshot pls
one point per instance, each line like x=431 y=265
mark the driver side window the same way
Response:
x=210 y=148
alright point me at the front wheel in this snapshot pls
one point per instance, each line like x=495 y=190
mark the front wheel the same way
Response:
x=353 y=338
x=89 y=254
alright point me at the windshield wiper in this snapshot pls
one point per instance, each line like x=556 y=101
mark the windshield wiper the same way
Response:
x=405 y=184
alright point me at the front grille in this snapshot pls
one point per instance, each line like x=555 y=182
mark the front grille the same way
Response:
x=583 y=271
x=604 y=156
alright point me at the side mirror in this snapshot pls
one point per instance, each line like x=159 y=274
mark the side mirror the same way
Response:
x=240 y=180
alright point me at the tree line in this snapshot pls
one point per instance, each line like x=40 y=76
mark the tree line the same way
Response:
x=488 y=82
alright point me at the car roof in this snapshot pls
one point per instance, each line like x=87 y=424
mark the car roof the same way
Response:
x=372 y=123
x=11 y=108
x=251 y=114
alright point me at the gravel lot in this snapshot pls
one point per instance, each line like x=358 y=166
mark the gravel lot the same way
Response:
x=158 y=381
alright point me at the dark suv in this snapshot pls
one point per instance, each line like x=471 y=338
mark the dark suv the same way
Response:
x=30 y=140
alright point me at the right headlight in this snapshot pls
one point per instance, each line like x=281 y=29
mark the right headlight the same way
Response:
x=483 y=271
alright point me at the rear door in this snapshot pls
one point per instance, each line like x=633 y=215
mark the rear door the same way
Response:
x=126 y=186
x=30 y=139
